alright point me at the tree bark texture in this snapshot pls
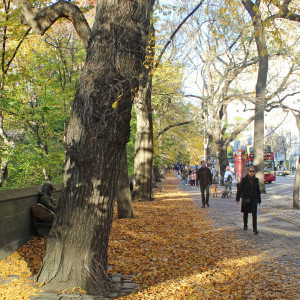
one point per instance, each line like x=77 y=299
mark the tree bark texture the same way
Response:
x=96 y=139
x=143 y=150
x=297 y=176
x=42 y=19
x=143 y=147
x=260 y=91
x=123 y=190
x=217 y=166
x=223 y=161
x=296 y=186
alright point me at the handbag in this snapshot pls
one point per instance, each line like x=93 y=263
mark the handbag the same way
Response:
x=246 y=200
x=42 y=213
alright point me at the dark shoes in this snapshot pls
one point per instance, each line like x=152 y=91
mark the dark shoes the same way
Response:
x=255 y=232
x=245 y=227
x=207 y=204
x=203 y=205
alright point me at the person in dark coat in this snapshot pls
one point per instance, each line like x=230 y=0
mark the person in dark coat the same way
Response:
x=45 y=197
x=249 y=191
x=205 y=179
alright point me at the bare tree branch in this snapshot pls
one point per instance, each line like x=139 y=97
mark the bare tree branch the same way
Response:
x=172 y=126
x=286 y=13
x=274 y=129
x=235 y=132
x=174 y=33
x=42 y=19
x=16 y=50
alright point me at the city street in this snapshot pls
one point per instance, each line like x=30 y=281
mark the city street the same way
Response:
x=282 y=186
x=278 y=223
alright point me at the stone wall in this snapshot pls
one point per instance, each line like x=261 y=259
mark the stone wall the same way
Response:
x=15 y=218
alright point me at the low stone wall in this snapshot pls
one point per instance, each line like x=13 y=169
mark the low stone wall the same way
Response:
x=15 y=217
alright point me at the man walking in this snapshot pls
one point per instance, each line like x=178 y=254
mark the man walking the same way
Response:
x=205 y=179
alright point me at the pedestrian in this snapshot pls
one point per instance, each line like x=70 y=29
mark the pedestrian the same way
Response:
x=204 y=178
x=44 y=211
x=190 y=176
x=179 y=174
x=249 y=191
x=293 y=170
x=228 y=177
x=184 y=176
x=45 y=197
x=193 y=176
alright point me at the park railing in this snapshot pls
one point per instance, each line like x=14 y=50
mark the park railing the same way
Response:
x=15 y=217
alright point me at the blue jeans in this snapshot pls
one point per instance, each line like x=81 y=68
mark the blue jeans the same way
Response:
x=183 y=182
x=228 y=185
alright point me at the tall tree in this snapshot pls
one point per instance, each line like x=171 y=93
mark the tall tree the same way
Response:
x=297 y=176
x=144 y=135
x=143 y=148
x=97 y=135
x=255 y=12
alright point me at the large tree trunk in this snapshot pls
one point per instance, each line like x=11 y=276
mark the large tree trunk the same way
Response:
x=297 y=176
x=296 y=186
x=258 y=161
x=143 y=143
x=223 y=161
x=123 y=189
x=96 y=139
x=143 y=147
x=260 y=91
x=217 y=166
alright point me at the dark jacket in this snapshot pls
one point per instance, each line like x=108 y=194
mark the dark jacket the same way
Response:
x=204 y=177
x=249 y=188
x=48 y=202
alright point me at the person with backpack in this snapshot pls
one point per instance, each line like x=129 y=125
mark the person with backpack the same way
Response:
x=228 y=177
x=45 y=197
x=44 y=211
x=184 y=177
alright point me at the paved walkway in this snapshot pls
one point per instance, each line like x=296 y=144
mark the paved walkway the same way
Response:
x=278 y=225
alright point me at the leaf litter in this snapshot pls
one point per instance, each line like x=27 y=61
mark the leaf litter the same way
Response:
x=173 y=250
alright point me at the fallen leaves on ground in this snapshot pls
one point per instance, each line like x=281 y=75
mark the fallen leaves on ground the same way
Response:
x=174 y=252
x=17 y=268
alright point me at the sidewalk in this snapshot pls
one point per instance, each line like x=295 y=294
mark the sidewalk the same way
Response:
x=278 y=226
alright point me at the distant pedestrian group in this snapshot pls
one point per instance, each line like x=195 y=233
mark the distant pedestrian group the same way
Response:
x=187 y=176
x=248 y=189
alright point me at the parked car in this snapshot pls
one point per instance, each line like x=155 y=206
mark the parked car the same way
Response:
x=283 y=172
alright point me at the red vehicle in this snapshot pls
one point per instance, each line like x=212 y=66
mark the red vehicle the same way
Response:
x=244 y=157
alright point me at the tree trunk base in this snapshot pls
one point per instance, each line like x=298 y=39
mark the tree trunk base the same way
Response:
x=118 y=286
